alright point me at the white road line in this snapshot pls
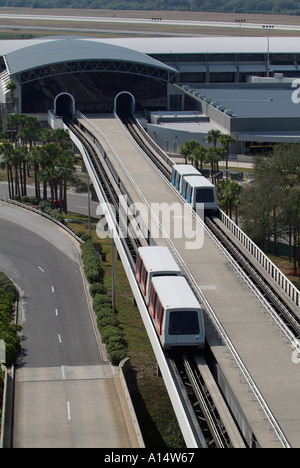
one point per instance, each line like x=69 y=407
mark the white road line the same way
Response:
x=53 y=289
x=69 y=410
x=63 y=372
x=56 y=312
x=40 y=268
x=59 y=339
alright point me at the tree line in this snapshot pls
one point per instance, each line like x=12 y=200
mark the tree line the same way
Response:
x=291 y=7
x=269 y=206
x=198 y=154
x=29 y=150
x=228 y=191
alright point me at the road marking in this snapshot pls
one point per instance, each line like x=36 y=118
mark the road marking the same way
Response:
x=53 y=289
x=63 y=372
x=56 y=312
x=69 y=410
x=59 y=339
x=40 y=268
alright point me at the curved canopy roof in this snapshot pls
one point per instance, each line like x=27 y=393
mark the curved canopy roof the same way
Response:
x=66 y=50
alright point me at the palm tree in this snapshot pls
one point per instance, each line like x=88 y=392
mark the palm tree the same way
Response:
x=200 y=154
x=31 y=131
x=185 y=151
x=233 y=194
x=6 y=150
x=12 y=86
x=34 y=160
x=213 y=137
x=226 y=141
x=214 y=156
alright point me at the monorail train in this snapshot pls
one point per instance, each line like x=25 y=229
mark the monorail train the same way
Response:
x=180 y=171
x=173 y=307
x=198 y=191
x=151 y=262
x=194 y=188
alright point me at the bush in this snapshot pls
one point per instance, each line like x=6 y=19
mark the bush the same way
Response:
x=97 y=288
x=117 y=356
x=83 y=235
x=7 y=286
x=111 y=333
x=101 y=300
x=8 y=330
x=92 y=266
x=105 y=320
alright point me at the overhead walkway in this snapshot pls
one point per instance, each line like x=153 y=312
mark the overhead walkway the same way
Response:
x=264 y=353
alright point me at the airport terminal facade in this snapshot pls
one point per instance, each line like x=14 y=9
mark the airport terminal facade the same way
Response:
x=210 y=77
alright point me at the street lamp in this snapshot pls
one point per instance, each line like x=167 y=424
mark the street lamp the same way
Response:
x=268 y=27
x=156 y=21
x=240 y=21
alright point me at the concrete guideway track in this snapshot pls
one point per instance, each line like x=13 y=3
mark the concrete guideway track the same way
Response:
x=64 y=389
x=264 y=353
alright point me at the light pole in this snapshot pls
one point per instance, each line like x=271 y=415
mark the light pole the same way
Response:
x=240 y=21
x=268 y=27
x=156 y=21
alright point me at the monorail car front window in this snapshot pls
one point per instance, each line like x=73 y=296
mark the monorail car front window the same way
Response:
x=184 y=323
x=205 y=195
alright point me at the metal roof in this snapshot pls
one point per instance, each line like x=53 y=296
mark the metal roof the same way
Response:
x=211 y=44
x=258 y=102
x=43 y=53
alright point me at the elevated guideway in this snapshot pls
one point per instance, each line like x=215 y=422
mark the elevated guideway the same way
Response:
x=251 y=334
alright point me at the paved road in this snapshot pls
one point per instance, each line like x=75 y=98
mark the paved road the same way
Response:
x=65 y=392
x=77 y=203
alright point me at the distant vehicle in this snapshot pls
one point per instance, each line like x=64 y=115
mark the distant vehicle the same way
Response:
x=56 y=203
x=175 y=311
x=199 y=192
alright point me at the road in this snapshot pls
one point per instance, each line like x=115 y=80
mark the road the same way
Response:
x=77 y=202
x=64 y=389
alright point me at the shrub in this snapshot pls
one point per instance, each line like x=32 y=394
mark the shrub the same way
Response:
x=101 y=300
x=117 y=356
x=97 y=288
x=105 y=320
x=7 y=286
x=8 y=330
x=111 y=333
x=83 y=235
x=92 y=266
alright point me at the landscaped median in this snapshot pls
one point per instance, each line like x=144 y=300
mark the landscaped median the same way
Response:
x=9 y=331
x=107 y=320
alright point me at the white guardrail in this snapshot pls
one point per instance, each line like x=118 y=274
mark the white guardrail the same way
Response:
x=286 y=285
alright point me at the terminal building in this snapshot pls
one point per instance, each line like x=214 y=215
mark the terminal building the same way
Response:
x=183 y=86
